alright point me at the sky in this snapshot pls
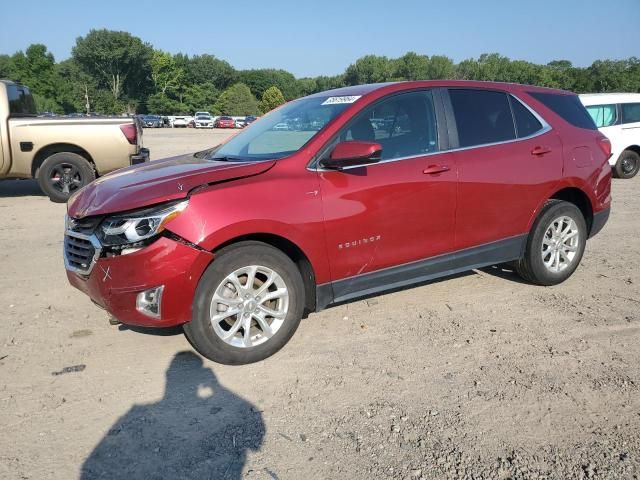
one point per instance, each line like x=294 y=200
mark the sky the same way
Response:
x=323 y=37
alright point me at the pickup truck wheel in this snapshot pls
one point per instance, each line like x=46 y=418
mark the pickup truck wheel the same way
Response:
x=62 y=174
x=248 y=304
x=555 y=244
x=627 y=165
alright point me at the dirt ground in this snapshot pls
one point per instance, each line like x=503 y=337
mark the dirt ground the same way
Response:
x=477 y=376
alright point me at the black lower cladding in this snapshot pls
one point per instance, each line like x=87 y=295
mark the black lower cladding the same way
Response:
x=599 y=220
x=420 y=271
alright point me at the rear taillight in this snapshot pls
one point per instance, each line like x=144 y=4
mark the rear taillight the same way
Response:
x=605 y=146
x=130 y=131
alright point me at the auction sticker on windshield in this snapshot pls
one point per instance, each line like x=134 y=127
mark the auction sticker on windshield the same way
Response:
x=345 y=99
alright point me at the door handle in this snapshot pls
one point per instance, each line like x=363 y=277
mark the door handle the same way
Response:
x=539 y=151
x=433 y=169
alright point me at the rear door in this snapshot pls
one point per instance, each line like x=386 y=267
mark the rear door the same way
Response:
x=395 y=211
x=508 y=159
x=630 y=119
x=607 y=119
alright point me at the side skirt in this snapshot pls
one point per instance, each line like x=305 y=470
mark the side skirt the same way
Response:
x=420 y=271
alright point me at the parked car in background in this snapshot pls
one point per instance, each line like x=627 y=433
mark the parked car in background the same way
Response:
x=62 y=153
x=180 y=122
x=240 y=123
x=225 y=122
x=151 y=121
x=203 y=120
x=249 y=119
x=238 y=242
x=617 y=115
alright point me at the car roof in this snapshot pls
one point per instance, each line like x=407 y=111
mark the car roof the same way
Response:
x=363 y=90
x=604 y=98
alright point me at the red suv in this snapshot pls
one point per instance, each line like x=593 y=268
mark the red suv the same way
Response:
x=370 y=188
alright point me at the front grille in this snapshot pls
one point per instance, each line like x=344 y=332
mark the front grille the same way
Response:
x=80 y=252
x=85 y=226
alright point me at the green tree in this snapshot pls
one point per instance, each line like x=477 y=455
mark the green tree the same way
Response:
x=35 y=68
x=412 y=66
x=260 y=79
x=272 y=98
x=200 y=97
x=165 y=73
x=163 y=105
x=209 y=69
x=369 y=69
x=5 y=66
x=237 y=100
x=76 y=89
x=117 y=60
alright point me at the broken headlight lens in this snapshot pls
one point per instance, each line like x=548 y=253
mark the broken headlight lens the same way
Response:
x=137 y=226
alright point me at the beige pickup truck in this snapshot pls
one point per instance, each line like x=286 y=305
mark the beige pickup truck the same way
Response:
x=63 y=154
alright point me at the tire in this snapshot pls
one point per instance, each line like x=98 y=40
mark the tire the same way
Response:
x=63 y=174
x=532 y=266
x=207 y=339
x=627 y=165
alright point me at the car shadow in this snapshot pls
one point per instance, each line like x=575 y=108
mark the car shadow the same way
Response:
x=198 y=430
x=505 y=272
x=20 y=188
x=158 y=332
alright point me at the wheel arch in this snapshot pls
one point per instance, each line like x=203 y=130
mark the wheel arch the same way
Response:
x=580 y=199
x=633 y=148
x=48 y=150
x=291 y=250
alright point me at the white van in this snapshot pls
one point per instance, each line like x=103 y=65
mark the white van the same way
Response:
x=617 y=115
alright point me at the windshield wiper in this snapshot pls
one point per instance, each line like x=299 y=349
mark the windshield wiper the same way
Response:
x=227 y=158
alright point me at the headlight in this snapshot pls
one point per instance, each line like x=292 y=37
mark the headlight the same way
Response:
x=133 y=227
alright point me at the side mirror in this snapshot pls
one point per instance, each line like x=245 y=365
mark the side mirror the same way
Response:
x=353 y=154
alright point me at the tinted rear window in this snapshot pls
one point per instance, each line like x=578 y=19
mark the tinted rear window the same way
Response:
x=568 y=107
x=630 y=112
x=526 y=123
x=482 y=116
x=20 y=100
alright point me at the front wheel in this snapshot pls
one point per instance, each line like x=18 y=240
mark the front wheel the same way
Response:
x=555 y=244
x=248 y=304
x=64 y=173
x=627 y=165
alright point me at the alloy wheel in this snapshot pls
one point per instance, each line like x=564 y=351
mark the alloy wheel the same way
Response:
x=560 y=244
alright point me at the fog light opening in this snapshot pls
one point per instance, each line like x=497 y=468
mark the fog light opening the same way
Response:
x=148 y=302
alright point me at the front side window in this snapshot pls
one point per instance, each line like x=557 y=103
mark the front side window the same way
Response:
x=403 y=124
x=603 y=115
x=482 y=116
x=630 y=112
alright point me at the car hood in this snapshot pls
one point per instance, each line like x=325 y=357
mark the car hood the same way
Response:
x=155 y=182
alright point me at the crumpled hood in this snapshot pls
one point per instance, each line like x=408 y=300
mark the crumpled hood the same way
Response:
x=155 y=182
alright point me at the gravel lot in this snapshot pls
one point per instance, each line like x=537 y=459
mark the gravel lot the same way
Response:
x=478 y=376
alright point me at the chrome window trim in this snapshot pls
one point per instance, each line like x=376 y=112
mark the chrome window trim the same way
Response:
x=545 y=128
x=97 y=252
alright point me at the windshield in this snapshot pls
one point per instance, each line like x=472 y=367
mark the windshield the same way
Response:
x=283 y=131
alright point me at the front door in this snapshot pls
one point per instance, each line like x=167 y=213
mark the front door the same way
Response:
x=394 y=212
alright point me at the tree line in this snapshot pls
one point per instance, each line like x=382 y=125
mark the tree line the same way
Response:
x=115 y=72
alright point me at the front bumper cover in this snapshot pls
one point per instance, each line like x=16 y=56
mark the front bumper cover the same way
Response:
x=115 y=282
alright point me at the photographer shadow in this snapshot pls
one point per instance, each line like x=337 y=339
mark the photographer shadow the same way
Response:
x=198 y=430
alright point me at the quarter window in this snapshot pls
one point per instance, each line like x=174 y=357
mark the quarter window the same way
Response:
x=526 y=123
x=603 y=115
x=482 y=117
x=568 y=107
x=630 y=112
x=404 y=125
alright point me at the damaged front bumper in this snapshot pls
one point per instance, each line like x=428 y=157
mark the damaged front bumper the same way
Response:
x=116 y=282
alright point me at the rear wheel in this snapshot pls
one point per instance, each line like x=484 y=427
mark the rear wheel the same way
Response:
x=555 y=244
x=62 y=174
x=627 y=165
x=248 y=304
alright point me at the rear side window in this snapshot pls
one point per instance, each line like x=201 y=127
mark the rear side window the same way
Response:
x=526 y=123
x=630 y=112
x=482 y=116
x=568 y=107
x=603 y=115
x=20 y=101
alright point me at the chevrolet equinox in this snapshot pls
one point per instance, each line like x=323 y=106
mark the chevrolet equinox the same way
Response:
x=339 y=195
